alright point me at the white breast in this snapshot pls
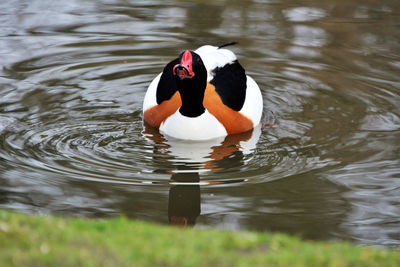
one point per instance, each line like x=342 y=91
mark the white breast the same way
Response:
x=202 y=127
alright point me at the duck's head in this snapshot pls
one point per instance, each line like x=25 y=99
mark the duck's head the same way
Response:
x=184 y=70
x=191 y=79
x=190 y=67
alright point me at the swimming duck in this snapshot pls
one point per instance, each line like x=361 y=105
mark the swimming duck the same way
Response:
x=203 y=94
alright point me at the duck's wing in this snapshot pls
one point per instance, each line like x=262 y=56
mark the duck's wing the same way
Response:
x=230 y=84
x=226 y=74
x=238 y=94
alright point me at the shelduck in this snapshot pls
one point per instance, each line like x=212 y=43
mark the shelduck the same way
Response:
x=203 y=94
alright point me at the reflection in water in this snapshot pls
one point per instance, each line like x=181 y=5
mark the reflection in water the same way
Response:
x=184 y=200
x=205 y=155
x=194 y=157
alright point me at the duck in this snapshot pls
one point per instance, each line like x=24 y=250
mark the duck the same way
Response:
x=203 y=94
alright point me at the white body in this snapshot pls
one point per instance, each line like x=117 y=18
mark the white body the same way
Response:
x=203 y=127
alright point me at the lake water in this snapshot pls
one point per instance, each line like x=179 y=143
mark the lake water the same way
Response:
x=324 y=164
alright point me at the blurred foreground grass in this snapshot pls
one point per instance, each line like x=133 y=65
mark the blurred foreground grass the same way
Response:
x=51 y=241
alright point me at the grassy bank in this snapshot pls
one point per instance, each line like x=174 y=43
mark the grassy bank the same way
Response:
x=51 y=241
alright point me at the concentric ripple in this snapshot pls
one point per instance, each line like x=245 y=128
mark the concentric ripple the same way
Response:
x=128 y=152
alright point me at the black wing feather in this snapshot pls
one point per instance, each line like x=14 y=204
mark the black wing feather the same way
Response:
x=166 y=87
x=230 y=84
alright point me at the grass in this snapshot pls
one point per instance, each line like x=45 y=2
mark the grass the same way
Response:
x=51 y=241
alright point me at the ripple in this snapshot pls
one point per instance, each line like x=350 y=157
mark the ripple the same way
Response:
x=304 y=14
x=119 y=152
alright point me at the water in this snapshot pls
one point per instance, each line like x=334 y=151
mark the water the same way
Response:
x=324 y=164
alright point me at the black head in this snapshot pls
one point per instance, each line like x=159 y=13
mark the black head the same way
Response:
x=191 y=67
x=191 y=80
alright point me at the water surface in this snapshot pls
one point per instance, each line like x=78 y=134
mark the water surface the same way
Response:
x=324 y=164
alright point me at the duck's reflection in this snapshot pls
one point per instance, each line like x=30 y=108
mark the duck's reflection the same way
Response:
x=188 y=159
x=184 y=200
x=208 y=155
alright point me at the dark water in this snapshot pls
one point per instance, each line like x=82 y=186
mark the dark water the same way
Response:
x=325 y=164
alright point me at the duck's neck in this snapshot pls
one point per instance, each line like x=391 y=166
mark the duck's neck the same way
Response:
x=192 y=95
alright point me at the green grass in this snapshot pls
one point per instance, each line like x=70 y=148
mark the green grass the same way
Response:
x=52 y=241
